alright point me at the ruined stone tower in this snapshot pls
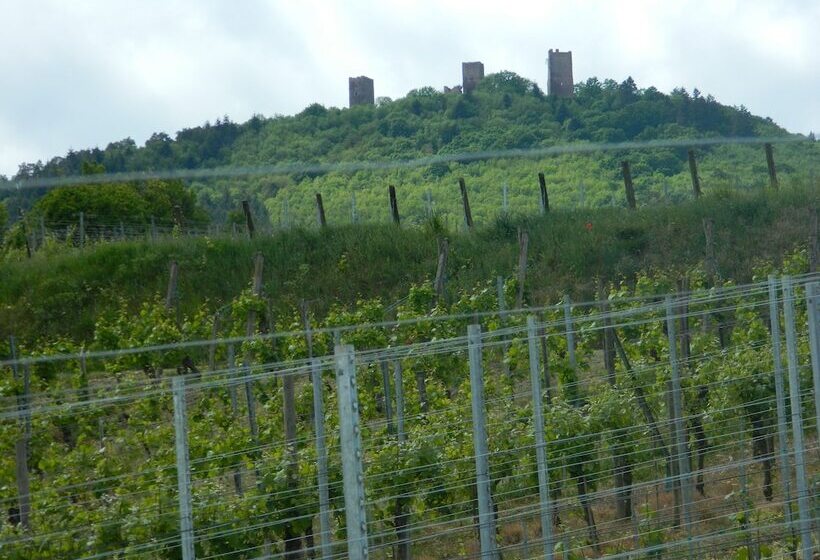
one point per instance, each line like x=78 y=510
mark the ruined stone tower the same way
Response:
x=559 y=73
x=471 y=74
x=361 y=91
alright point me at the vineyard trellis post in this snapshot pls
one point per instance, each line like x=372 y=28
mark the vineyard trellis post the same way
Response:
x=246 y=209
x=351 y=449
x=23 y=443
x=545 y=201
x=321 y=459
x=803 y=506
x=388 y=402
x=628 y=185
x=399 y=388
x=465 y=201
x=780 y=404
x=682 y=449
x=540 y=444
x=486 y=522
x=523 y=244
x=354 y=214
x=693 y=171
x=186 y=522
x=770 y=164
x=232 y=392
x=813 y=305
x=394 y=205
x=570 y=331
x=320 y=211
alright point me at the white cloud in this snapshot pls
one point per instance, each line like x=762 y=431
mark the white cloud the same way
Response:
x=84 y=73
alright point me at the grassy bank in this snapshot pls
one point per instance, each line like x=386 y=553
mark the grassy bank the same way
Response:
x=62 y=290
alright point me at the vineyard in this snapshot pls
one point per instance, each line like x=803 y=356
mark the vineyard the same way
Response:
x=672 y=418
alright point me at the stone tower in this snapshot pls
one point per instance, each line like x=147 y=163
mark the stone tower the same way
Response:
x=559 y=73
x=471 y=74
x=361 y=91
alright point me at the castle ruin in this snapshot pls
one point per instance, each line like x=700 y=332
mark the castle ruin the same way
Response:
x=361 y=91
x=471 y=74
x=559 y=73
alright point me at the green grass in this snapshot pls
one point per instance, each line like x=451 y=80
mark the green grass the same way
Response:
x=62 y=290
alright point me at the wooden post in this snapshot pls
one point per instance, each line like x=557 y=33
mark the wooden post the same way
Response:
x=250 y=329
x=441 y=270
x=814 y=244
x=394 y=205
x=153 y=229
x=545 y=201
x=320 y=211
x=171 y=292
x=711 y=262
x=608 y=343
x=82 y=229
x=291 y=537
x=178 y=219
x=22 y=445
x=246 y=208
x=630 y=189
x=25 y=233
x=523 y=242
x=693 y=171
x=770 y=163
x=212 y=347
x=42 y=231
x=468 y=216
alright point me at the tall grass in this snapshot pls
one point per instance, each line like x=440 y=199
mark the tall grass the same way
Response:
x=61 y=293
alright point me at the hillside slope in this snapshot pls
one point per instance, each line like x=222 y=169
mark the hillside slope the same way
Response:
x=62 y=291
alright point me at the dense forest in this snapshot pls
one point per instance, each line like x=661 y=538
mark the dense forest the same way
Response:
x=506 y=112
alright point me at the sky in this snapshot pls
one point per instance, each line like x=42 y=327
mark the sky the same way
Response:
x=84 y=73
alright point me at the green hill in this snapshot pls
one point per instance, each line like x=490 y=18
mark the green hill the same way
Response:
x=506 y=112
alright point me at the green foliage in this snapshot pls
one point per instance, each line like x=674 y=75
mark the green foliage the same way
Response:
x=111 y=203
x=506 y=112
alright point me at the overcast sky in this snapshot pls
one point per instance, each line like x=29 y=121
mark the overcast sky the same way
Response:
x=83 y=73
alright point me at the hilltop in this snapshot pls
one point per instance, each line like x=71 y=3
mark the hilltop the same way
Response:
x=505 y=112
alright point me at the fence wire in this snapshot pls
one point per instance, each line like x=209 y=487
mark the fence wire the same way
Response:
x=654 y=427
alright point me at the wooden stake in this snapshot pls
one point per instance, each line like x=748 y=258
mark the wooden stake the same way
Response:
x=22 y=445
x=441 y=270
x=25 y=233
x=693 y=171
x=711 y=261
x=250 y=329
x=523 y=242
x=178 y=218
x=394 y=205
x=608 y=343
x=630 y=189
x=468 y=216
x=814 y=242
x=212 y=347
x=171 y=292
x=246 y=208
x=770 y=163
x=82 y=229
x=320 y=211
x=545 y=201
